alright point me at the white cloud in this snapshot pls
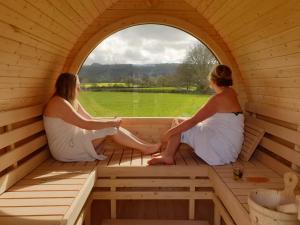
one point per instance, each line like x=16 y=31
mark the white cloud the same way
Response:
x=143 y=44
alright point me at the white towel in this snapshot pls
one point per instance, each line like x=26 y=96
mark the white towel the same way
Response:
x=70 y=143
x=217 y=140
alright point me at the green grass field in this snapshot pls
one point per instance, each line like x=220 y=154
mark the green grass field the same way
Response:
x=134 y=104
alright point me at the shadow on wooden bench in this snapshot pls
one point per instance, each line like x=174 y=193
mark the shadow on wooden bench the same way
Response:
x=36 y=189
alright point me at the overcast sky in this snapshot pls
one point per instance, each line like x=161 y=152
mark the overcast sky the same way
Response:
x=144 y=44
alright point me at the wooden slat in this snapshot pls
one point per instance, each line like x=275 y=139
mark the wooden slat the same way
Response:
x=281 y=150
x=15 y=155
x=33 y=211
x=36 y=202
x=136 y=159
x=108 y=153
x=116 y=157
x=53 y=181
x=152 y=195
x=152 y=183
x=13 y=116
x=49 y=175
x=222 y=210
x=236 y=210
x=38 y=194
x=167 y=171
x=78 y=203
x=30 y=220
x=274 y=112
x=16 y=135
x=12 y=177
x=40 y=187
x=126 y=157
x=276 y=130
x=252 y=137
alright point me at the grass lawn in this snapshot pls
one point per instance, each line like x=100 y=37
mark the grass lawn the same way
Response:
x=134 y=104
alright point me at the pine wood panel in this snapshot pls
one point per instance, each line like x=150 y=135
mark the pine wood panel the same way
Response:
x=46 y=192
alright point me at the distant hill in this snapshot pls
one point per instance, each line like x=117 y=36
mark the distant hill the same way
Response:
x=122 y=72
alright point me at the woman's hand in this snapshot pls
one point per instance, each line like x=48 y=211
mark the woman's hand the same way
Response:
x=117 y=122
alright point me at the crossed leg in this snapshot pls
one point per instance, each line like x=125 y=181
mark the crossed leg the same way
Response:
x=126 y=138
x=167 y=156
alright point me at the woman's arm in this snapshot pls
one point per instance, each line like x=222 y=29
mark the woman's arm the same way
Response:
x=83 y=112
x=206 y=111
x=68 y=114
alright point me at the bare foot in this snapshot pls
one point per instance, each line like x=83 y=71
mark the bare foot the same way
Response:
x=161 y=160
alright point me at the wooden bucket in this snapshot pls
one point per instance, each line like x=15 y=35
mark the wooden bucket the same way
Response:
x=263 y=204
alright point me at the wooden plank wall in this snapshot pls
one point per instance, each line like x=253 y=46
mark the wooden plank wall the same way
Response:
x=40 y=39
x=35 y=40
x=125 y=13
x=264 y=38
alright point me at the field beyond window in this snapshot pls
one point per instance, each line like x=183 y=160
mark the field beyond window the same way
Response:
x=138 y=104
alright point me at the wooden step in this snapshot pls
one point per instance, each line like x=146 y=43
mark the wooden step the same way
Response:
x=153 y=222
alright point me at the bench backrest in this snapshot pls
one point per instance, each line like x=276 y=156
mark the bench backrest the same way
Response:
x=22 y=144
x=279 y=149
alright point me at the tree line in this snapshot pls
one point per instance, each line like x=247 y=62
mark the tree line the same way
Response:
x=190 y=74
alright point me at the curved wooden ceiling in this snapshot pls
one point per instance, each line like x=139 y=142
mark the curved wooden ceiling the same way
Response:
x=259 y=39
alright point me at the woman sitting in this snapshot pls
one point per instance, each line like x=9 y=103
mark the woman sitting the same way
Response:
x=215 y=132
x=74 y=135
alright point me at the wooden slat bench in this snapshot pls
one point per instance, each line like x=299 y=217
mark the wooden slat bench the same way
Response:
x=127 y=168
x=34 y=188
x=278 y=152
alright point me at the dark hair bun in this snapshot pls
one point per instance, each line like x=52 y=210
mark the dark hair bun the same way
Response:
x=222 y=76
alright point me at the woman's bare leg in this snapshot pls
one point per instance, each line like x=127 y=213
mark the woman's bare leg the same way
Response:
x=97 y=144
x=174 y=123
x=167 y=156
x=124 y=137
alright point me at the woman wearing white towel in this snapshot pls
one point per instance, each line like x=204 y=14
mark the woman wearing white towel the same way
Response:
x=215 y=132
x=74 y=135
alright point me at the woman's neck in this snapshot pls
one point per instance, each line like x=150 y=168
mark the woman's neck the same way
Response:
x=219 y=90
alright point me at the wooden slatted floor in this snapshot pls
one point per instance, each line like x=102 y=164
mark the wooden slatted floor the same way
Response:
x=126 y=157
x=46 y=195
x=255 y=175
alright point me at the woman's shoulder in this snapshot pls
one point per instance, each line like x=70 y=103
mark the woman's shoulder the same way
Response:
x=54 y=105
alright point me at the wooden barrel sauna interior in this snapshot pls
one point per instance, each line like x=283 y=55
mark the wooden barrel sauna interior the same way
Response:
x=259 y=40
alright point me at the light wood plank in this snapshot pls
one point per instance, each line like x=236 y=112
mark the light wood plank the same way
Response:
x=36 y=202
x=38 y=194
x=78 y=203
x=279 y=131
x=33 y=211
x=30 y=220
x=15 y=155
x=40 y=187
x=152 y=195
x=15 y=175
x=152 y=183
x=13 y=116
x=236 y=210
x=164 y=171
x=274 y=112
x=16 y=135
